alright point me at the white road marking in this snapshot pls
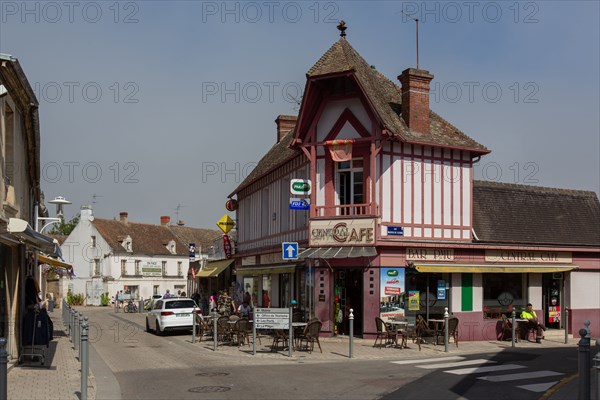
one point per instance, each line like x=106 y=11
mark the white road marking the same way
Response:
x=424 y=360
x=515 y=377
x=538 y=387
x=481 y=370
x=456 y=364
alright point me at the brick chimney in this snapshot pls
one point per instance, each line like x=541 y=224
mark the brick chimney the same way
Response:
x=415 y=99
x=123 y=217
x=165 y=219
x=285 y=123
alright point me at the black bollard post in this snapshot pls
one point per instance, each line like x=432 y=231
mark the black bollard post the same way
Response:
x=3 y=370
x=584 y=365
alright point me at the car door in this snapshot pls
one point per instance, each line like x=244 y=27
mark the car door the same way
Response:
x=155 y=312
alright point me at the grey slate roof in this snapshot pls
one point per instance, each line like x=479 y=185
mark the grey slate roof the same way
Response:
x=510 y=213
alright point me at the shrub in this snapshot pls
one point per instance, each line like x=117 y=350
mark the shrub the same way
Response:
x=74 y=299
x=104 y=299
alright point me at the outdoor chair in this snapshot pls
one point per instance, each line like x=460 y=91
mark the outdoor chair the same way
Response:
x=422 y=331
x=223 y=329
x=279 y=335
x=383 y=332
x=452 y=331
x=204 y=329
x=311 y=335
x=240 y=331
x=506 y=329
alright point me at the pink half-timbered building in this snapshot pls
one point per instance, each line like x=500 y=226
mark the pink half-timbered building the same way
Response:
x=397 y=224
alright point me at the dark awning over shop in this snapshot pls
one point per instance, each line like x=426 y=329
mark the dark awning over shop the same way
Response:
x=25 y=233
x=493 y=268
x=338 y=252
x=264 y=270
x=214 y=268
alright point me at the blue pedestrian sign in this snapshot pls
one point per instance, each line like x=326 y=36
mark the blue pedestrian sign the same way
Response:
x=289 y=250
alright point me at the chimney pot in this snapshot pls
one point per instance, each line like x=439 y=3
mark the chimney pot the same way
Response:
x=285 y=123
x=123 y=217
x=165 y=219
x=180 y=222
x=415 y=99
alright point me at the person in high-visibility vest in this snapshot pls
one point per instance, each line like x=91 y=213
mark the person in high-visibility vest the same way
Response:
x=533 y=323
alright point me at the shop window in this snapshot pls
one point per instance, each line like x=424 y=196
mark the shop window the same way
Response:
x=266 y=291
x=285 y=290
x=251 y=289
x=502 y=293
x=422 y=296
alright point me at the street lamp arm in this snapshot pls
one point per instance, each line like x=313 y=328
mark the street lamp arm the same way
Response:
x=52 y=220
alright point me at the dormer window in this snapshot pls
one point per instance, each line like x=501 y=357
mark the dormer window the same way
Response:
x=126 y=242
x=171 y=247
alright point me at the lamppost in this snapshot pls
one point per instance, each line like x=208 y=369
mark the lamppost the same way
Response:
x=60 y=202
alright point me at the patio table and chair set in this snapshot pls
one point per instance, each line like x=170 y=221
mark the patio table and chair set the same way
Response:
x=396 y=332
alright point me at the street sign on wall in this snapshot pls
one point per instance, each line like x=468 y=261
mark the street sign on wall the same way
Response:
x=299 y=204
x=289 y=250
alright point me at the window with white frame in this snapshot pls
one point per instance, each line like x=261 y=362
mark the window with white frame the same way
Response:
x=164 y=268
x=123 y=267
x=138 y=265
x=97 y=271
x=350 y=182
x=93 y=241
x=179 y=268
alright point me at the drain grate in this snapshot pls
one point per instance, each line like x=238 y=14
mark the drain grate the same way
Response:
x=209 y=389
x=211 y=374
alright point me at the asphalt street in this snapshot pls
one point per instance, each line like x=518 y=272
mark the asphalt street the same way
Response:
x=136 y=364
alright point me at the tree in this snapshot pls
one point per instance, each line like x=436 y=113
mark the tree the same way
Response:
x=64 y=228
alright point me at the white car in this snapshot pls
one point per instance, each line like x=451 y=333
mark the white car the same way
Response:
x=171 y=314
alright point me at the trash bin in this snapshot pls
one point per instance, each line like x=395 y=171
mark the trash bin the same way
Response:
x=50 y=305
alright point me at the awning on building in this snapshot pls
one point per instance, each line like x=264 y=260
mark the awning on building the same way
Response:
x=214 y=268
x=338 y=252
x=54 y=262
x=25 y=233
x=493 y=268
x=264 y=270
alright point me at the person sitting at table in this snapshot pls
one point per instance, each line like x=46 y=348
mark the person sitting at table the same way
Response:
x=244 y=310
x=533 y=323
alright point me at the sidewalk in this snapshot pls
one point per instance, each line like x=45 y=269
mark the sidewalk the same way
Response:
x=59 y=378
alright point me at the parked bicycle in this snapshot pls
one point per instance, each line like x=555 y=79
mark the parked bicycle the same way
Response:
x=130 y=307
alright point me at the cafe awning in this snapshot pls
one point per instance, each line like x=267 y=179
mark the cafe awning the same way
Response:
x=214 y=268
x=266 y=270
x=494 y=268
x=52 y=261
x=20 y=229
x=338 y=252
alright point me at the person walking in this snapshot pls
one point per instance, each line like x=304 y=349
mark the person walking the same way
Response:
x=120 y=299
x=167 y=294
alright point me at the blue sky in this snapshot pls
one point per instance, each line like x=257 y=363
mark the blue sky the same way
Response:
x=133 y=110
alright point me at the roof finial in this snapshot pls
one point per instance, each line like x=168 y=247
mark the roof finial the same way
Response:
x=342 y=28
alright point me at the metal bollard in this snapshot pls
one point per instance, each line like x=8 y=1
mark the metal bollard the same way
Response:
x=290 y=335
x=194 y=325
x=76 y=326
x=567 y=327
x=84 y=359
x=72 y=329
x=3 y=370
x=79 y=333
x=215 y=343
x=584 y=363
x=514 y=327
x=351 y=318
x=141 y=308
x=445 y=329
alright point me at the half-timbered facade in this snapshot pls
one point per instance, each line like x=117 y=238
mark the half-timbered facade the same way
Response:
x=397 y=225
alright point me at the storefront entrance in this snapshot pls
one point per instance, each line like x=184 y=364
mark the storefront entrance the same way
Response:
x=347 y=294
x=552 y=299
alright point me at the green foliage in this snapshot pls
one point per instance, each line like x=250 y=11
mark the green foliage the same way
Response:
x=74 y=299
x=64 y=228
x=104 y=299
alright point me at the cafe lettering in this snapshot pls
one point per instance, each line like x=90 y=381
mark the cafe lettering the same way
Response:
x=511 y=256
x=342 y=232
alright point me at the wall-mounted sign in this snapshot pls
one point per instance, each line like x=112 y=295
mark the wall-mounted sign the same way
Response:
x=227 y=246
x=192 y=252
x=526 y=256
x=429 y=254
x=299 y=204
x=413 y=300
x=338 y=232
x=441 y=289
x=301 y=186
x=391 y=284
x=225 y=223
x=152 y=268
x=395 y=231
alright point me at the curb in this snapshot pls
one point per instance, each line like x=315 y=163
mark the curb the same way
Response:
x=563 y=382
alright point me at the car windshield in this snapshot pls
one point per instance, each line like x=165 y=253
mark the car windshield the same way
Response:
x=169 y=305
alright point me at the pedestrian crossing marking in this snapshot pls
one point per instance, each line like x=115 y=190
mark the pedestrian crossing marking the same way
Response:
x=481 y=370
x=515 y=377
x=424 y=360
x=456 y=364
x=538 y=387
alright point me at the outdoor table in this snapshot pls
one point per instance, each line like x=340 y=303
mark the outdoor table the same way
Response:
x=437 y=324
x=397 y=331
x=297 y=326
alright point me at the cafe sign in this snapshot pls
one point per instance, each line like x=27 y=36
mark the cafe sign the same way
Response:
x=429 y=254
x=339 y=232
x=526 y=256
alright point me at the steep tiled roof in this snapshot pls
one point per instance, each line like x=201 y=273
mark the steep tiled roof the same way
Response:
x=385 y=97
x=509 y=213
x=150 y=239
x=277 y=155
x=203 y=238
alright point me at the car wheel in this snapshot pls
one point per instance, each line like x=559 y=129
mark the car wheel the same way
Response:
x=158 y=331
x=148 y=325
